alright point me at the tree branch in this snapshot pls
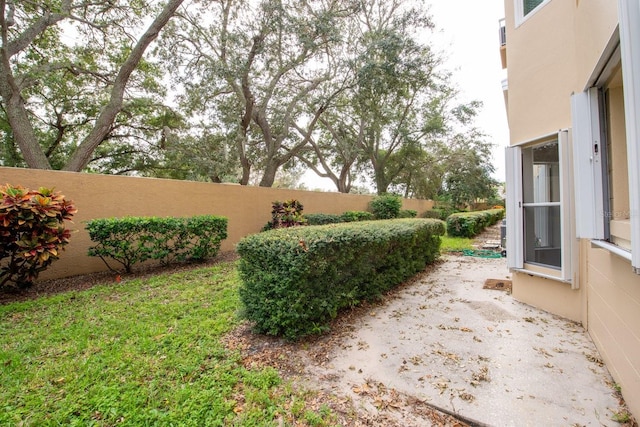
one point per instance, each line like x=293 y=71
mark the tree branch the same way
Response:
x=82 y=154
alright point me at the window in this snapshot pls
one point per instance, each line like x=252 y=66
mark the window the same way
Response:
x=541 y=203
x=606 y=149
x=529 y=5
x=539 y=207
x=526 y=8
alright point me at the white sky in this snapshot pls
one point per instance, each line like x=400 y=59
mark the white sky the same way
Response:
x=467 y=34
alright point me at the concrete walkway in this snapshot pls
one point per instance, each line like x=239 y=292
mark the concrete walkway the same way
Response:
x=476 y=352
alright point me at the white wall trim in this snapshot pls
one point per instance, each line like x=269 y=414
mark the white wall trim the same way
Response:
x=614 y=249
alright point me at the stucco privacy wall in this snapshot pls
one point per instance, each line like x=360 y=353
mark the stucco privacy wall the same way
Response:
x=102 y=196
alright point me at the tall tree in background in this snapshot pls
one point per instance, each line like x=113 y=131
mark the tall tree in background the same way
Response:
x=393 y=101
x=250 y=70
x=399 y=95
x=62 y=98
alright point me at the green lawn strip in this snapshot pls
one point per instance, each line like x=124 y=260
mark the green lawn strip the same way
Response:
x=455 y=244
x=144 y=352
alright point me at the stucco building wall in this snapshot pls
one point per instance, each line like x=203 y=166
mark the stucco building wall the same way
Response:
x=551 y=55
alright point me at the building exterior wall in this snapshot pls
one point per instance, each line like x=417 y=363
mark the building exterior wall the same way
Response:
x=538 y=48
x=248 y=209
x=614 y=317
x=551 y=55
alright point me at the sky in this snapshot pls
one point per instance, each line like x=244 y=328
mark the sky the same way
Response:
x=467 y=34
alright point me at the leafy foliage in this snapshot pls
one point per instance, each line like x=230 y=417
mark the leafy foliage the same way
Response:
x=296 y=279
x=470 y=224
x=386 y=206
x=32 y=232
x=286 y=214
x=78 y=94
x=132 y=240
x=351 y=216
x=441 y=211
x=322 y=219
x=407 y=213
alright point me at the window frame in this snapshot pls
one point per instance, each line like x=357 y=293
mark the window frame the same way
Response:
x=587 y=109
x=516 y=205
x=519 y=10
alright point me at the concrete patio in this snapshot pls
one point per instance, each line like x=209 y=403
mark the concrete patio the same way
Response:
x=444 y=341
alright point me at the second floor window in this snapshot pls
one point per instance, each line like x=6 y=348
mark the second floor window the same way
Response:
x=529 y=5
x=526 y=8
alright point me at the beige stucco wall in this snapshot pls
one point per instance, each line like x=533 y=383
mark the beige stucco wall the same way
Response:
x=538 y=105
x=594 y=24
x=99 y=196
x=613 y=319
x=549 y=295
x=550 y=56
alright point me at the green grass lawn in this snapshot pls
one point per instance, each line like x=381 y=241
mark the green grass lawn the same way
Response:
x=455 y=244
x=145 y=352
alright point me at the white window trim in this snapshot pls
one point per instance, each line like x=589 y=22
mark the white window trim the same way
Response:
x=515 y=216
x=519 y=9
x=629 y=27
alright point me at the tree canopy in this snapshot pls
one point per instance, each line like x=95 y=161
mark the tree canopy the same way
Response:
x=248 y=91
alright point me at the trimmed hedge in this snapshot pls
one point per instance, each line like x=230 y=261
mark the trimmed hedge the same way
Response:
x=353 y=216
x=407 y=213
x=440 y=212
x=295 y=280
x=131 y=240
x=385 y=206
x=322 y=219
x=470 y=224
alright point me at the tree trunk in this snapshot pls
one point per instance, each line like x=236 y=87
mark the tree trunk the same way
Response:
x=20 y=125
x=82 y=155
x=17 y=115
x=269 y=175
x=344 y=183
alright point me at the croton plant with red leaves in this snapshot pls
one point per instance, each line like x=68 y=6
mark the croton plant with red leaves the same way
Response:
x=32 y=232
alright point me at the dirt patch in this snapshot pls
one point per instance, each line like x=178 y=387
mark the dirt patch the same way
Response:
x=498 y=284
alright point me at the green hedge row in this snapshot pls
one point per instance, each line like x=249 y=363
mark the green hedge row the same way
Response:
x=439 y=212
x=349 y=216
x=132 y=240
x=295 y=280
x=470 y=224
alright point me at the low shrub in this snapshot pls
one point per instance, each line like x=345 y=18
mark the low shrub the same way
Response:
x=470 y=224
x=322 y=219
x=132 y=240
x=407 y=213
x=286 y=214
x=440 y=212
x=386 y=206
x=32 y=232
x=432 y=213
x=353 y=216
x=295 y=280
